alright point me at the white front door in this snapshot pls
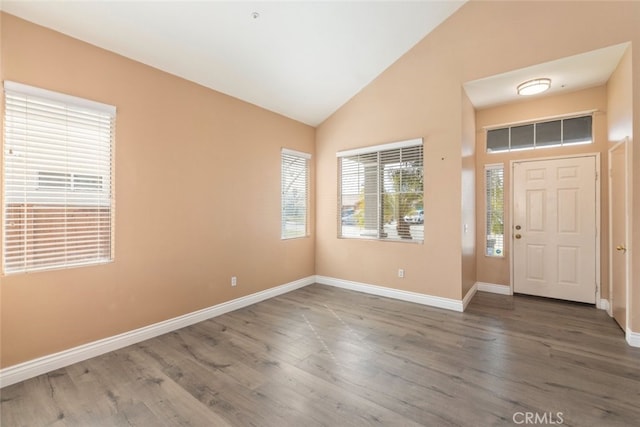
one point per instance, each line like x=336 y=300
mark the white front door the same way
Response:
x=554 y=228
x=618 y=257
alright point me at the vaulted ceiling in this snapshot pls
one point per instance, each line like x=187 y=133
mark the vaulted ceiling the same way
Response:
x=301 y=59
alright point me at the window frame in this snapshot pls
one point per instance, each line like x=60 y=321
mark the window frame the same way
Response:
x=70 y=140
x=287 y=154
x=384 y=156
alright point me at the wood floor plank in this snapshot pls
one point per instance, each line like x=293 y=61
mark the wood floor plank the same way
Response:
x=322 y=356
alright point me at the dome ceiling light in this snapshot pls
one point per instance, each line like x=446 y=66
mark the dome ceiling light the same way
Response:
x=533 y=87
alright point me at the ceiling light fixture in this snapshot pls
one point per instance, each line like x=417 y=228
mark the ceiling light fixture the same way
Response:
x=534 y=86
x=255 y=15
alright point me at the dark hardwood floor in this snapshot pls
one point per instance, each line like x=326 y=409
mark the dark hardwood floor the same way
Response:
x=321 y=356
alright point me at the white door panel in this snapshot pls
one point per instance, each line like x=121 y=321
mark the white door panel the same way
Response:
x=554 y=245
x=618 y=256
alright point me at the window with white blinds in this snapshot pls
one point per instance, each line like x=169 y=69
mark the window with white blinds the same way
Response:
x=57 y=179
x=381 y=192
x=295 y=194
x=494 y=191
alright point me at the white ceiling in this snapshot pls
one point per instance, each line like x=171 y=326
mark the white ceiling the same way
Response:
x=568 y=74
x=301 y=59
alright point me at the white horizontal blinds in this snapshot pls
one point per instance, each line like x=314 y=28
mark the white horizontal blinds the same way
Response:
x=402 y=192
x=295 y=194
x=381 y=192
x=494 y=227
x=58 y=154
x=359 y=195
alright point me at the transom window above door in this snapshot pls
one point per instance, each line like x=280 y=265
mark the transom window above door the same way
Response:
x=541 y=134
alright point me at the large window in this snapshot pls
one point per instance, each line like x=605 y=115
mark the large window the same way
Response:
x=381 y=192
x=494 y=192
x=57 y=179
x=295 y=194
x=544 y=134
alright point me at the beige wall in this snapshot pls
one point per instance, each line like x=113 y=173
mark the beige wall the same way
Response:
x=497 y=270
x=182 y=225
x=620 y=100
x=197 y=177
x=635 y=183
x=469 y=265
x=620 y=121
x=395 y=107
x=420 y=95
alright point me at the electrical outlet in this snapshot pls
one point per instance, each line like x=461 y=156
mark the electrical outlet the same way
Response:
x=234 y=280
x=401 y=273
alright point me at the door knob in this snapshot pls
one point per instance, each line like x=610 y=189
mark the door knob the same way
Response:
x=621 y=248
x=518 y=236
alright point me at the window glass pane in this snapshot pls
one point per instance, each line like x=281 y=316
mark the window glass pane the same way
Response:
x=497 y=140
x=548 y=133
x=393 y=186
x=577 y=130
x=403 y=207
x=351 y=196
x=521 y=137
x=295 y=188
x=494 y=188
x=54 y=180
x=87 y=182
x=371 y=208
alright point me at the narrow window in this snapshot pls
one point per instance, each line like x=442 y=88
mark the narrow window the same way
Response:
x=382 y=192
x=295 y=194
x=57 y=179
x=494 y=187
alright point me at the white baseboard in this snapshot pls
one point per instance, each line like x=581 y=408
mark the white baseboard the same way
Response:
x=494 y=289
x=32 y=368
x=433 y=301
x=469 y=296
x=16 y=373
x=633 y=338
x=603 y=304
